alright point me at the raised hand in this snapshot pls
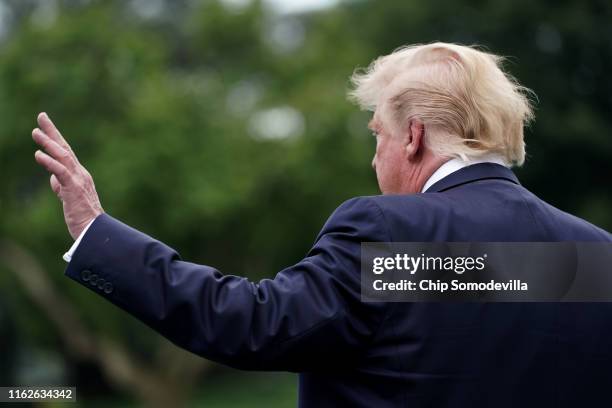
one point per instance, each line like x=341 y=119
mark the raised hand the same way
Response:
x=69 y=179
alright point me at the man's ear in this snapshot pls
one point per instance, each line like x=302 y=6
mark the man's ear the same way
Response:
x=414 y=141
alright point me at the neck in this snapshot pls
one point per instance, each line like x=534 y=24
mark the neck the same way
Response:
x=418 y=173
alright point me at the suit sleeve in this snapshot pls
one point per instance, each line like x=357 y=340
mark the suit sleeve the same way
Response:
x=308 y=316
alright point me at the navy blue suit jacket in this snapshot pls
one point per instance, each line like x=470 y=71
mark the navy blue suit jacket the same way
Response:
x=309 y=317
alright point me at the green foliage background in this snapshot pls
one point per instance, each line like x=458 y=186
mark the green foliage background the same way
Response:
x=161 y=110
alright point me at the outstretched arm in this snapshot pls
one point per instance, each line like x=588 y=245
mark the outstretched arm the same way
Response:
x=308 y=316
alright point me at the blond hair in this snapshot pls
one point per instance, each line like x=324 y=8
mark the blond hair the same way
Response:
x=469 y=106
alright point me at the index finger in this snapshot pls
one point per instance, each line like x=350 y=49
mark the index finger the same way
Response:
x=49 y=128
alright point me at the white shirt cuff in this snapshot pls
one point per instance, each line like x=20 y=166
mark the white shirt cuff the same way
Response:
x=68 y=255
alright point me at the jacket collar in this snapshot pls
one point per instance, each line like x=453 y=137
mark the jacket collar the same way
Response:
x=475 y=172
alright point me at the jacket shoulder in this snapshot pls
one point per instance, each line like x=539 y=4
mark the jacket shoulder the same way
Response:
x=359 y=217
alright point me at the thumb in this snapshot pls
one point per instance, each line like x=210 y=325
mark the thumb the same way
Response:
x=55 y=185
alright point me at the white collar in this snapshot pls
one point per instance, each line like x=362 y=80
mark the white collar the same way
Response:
x=455 y=164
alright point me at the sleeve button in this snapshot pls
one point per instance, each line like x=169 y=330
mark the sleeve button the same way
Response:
x=101 y=282
x=108 y=288
x=93 y=279
x=85 y=275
